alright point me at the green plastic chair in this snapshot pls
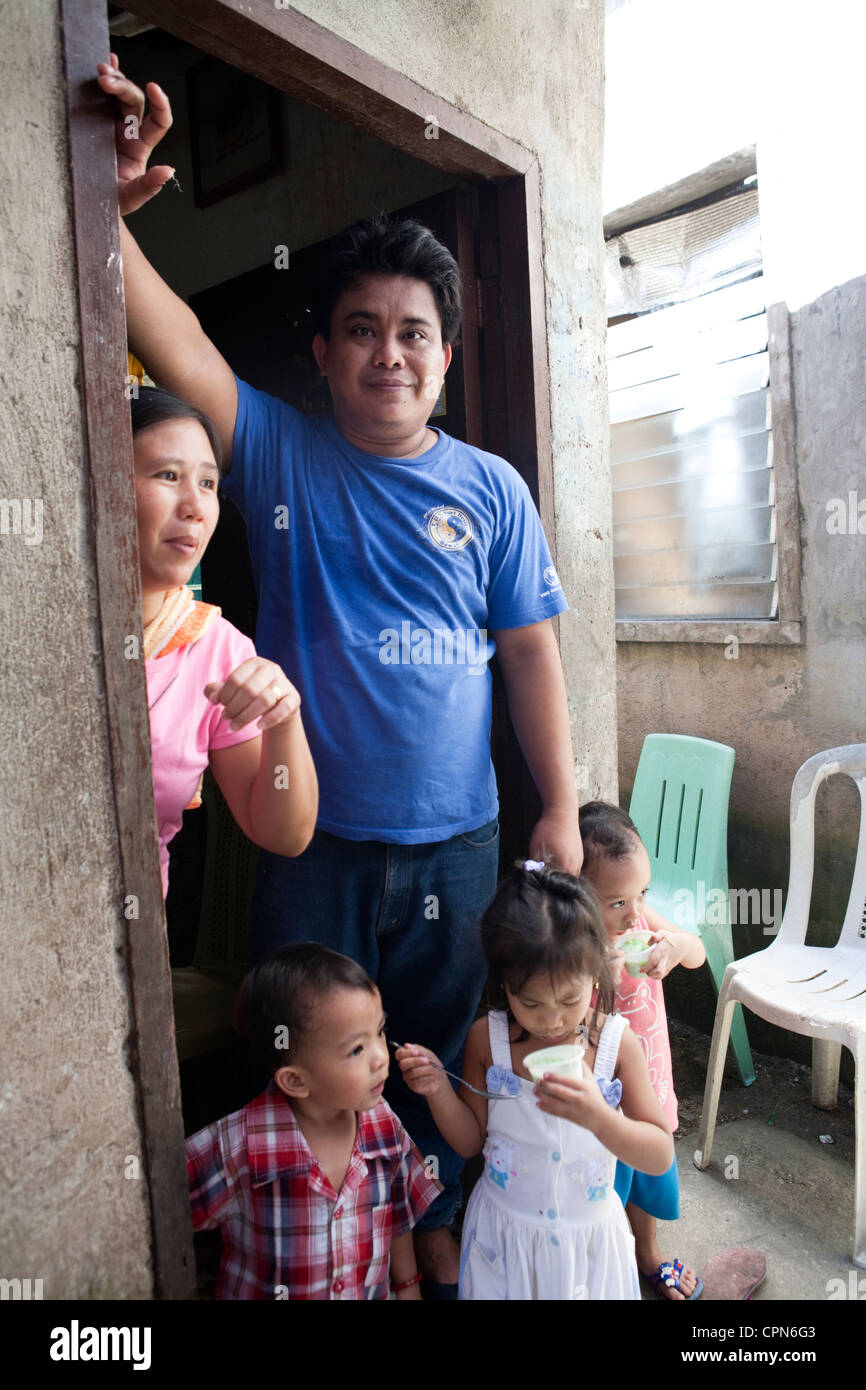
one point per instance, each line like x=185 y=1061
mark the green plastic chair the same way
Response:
x=679 y=804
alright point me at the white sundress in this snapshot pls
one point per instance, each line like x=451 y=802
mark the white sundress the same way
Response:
x=544 y=1221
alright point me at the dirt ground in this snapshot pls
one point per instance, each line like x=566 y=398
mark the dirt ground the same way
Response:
x=780 y=1094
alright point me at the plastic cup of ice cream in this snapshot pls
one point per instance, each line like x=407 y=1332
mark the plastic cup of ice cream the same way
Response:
x=637 y=950
x=559 y=1061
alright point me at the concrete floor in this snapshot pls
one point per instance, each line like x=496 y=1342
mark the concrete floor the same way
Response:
x=771 y=1184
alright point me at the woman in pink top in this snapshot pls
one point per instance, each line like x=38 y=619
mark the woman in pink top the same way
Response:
x=617 y=865
x=212 y=701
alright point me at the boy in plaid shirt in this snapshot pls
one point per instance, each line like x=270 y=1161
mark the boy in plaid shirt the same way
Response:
x=315 y=1184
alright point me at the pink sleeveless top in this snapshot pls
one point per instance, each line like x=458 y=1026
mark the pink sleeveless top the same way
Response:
x=642 y=1002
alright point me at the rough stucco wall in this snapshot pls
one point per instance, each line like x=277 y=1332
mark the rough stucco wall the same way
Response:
x=778 y=706
x=67 y=1101
x=535 y=73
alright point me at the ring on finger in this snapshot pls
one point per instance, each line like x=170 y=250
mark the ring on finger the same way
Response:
x=278 y=694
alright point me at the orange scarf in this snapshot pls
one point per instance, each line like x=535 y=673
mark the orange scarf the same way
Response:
x=180 y=622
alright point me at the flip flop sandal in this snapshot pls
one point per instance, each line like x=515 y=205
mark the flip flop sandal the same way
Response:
x=733 y=1274
x=670 y=1273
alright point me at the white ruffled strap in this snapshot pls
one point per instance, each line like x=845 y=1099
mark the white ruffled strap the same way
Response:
x=608 y=1046
x=500 y=1043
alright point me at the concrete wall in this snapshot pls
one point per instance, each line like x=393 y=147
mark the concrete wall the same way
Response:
x=799 y=101
x=68 y=1121
x=535 y=73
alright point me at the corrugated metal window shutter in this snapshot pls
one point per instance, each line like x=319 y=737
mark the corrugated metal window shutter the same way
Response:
x=691 y=448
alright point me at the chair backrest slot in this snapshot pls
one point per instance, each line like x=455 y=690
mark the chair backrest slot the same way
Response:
x=849 y=760
x=659 y=822
x=697 y=827
x=679 y=824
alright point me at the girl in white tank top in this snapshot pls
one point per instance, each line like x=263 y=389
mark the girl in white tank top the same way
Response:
x=543 y=1221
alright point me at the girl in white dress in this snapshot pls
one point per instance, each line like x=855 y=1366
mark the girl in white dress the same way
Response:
x=543 y=1221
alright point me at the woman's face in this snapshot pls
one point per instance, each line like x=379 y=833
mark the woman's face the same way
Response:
x=176 y=480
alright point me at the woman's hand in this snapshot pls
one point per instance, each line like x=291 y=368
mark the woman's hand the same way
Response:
x=257 y=689
x=136 y=136
x=419 y=1075
x=578 y=1099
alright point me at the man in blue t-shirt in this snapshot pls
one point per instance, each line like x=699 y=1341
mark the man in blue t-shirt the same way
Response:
x=391 y=562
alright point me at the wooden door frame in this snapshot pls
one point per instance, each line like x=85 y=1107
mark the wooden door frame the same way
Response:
x=302 y=58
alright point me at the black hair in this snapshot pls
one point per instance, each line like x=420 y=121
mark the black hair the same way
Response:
x=279 y=998
x=607 y=832
x=385 y=245
x=545 y=922
x=153 y=406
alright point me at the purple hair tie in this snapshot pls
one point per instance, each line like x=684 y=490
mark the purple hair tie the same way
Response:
x=531 y=864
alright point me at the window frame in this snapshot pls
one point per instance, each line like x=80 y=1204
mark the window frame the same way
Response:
x=787 y=628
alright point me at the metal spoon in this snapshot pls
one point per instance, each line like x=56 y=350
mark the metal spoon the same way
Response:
x=488 y=1095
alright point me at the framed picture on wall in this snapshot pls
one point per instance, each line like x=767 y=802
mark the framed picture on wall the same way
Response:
x=234 y=128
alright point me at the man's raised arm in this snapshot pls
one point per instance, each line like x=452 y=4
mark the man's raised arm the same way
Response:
x=163 y=331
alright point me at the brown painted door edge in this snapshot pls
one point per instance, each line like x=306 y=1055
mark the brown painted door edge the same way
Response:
x=108 y=447
x=517 y=426
x=299 y=56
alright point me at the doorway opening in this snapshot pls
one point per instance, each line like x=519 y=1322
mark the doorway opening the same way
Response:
x=357 y=142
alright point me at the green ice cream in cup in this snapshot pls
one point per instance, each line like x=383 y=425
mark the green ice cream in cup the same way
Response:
x=637 y=949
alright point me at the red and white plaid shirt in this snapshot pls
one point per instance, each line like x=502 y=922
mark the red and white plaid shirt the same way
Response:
x=286 y=1232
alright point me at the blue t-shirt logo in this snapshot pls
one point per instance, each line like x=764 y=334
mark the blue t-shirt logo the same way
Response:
x=449 y=528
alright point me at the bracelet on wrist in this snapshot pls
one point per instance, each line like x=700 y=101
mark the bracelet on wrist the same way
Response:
x=405 y=1283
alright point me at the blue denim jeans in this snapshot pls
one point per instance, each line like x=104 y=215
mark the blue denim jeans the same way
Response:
x=409 y=915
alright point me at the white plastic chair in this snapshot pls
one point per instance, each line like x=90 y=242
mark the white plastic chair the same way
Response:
x=817 y=991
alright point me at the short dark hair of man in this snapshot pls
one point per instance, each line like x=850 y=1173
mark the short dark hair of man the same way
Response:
x=280 y=997
x=385 y=245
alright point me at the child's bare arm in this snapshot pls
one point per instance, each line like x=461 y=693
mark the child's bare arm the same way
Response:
x=638 y=1134
x=649 y=1136
x=461 y=1120
x=403 y=1267
x=678 y=948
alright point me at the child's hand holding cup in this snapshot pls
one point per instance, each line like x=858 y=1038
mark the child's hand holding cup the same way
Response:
x=575 y=1098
